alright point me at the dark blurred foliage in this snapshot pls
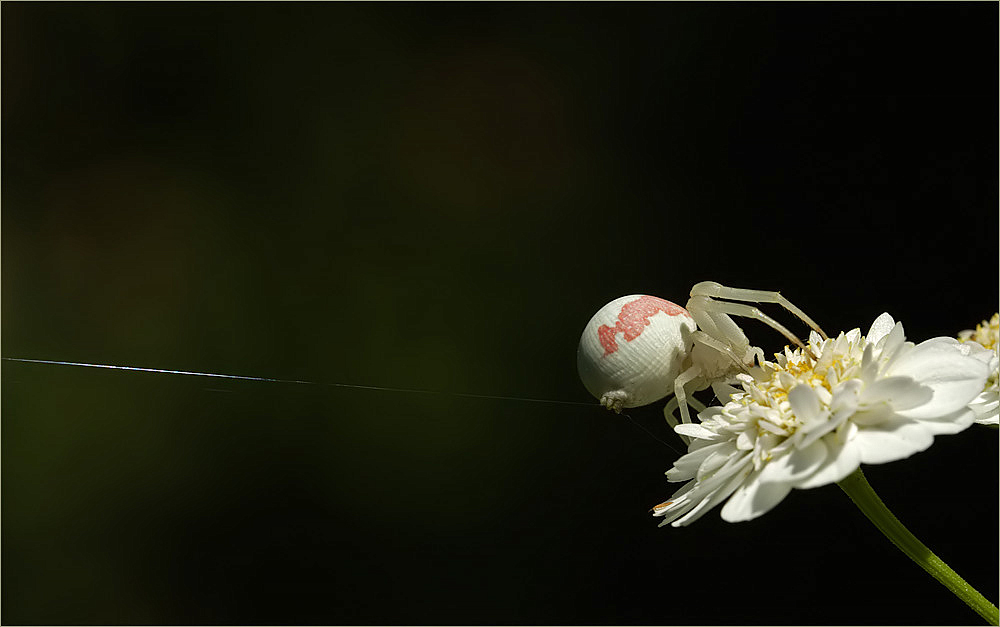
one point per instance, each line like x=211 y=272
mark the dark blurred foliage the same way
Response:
x=439 y=196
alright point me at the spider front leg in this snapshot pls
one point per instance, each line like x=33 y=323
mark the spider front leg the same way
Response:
x=712 y=290
x=720 y=310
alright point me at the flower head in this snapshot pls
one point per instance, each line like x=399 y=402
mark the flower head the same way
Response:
x=813 y=416
x=987 y=334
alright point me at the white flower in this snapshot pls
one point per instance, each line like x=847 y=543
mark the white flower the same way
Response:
x=805 y=422
x=987 y=335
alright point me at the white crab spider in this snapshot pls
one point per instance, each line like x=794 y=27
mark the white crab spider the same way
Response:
x=639 y=349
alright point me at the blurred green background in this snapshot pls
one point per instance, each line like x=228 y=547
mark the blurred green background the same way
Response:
x=439 y=196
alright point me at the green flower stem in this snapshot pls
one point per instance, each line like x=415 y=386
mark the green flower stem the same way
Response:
x=861 y=492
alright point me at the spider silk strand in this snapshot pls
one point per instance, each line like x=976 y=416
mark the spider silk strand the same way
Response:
x=238 y=377
x=216 y=375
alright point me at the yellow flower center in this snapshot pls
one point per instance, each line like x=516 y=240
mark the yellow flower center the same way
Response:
x=986 y=333
x=839 y=360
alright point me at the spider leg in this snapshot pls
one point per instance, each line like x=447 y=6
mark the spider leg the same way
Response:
x=710 y=305
x=668 y=413
x=726 y=349
x=712 y=289
x=672 y=404
x=680 y=395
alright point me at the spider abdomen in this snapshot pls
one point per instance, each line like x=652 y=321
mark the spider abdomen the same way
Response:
x=632 y=350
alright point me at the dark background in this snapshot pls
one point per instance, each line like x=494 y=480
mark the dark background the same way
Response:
x=439 y=196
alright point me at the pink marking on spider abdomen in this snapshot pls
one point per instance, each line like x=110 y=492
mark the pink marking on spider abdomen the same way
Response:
x=634 y=318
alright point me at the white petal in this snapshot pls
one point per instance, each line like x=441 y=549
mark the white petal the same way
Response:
x=746 y=440
x=723 y=391
x=895 y=438
x=734 y=465
x=714 y=499
x=706 y=494
x=880 y=328
x=715 y=461
x=901 y=391
x=754 y=499
x=697 y=445
x=786 y=380
x=677 y=507
x=873 y=415
x=955 y=379
x=695 y=431
x=795 y=465
x=836 y=419
x=952 y=423
x=992 y=418
x=869 y=365
x=845 y=395
x=987 y=408
x=687 y=466
x=805 y=403
x=846 y=432
x=769 y=426
x=664 y=508
x=842 y=459
x=892 y=342
x=984 y=355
